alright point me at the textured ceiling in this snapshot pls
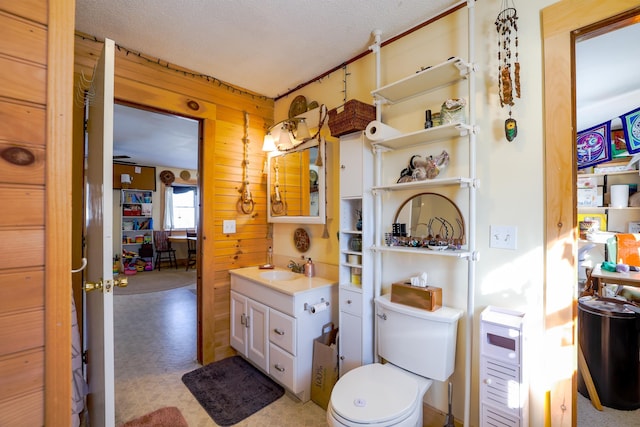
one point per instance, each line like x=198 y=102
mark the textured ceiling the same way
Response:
x=266 y=46
x=271 y=46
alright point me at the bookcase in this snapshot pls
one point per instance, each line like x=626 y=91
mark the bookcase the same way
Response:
x=136 y=230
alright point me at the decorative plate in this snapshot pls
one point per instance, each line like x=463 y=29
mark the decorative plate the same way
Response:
x=167 y=177
x=301 y=239
x=298 y=106
x=313 y=176
x=186 y=175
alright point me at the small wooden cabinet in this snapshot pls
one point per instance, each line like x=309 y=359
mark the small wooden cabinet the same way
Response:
x=274 y=328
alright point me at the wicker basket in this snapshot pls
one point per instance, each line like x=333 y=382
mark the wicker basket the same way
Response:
x=351 y=117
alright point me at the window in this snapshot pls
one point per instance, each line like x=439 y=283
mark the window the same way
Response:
x=184 y=207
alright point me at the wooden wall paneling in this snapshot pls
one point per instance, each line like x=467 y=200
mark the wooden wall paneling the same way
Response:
x=27 y=122
x=22 y=247
x=20 y=331
x=26 y=410
x=32 y=174
x=21 y=290
x=33 y=39
x=22 y=80
x=22 y=373
x=28 y=202
x=35 y=10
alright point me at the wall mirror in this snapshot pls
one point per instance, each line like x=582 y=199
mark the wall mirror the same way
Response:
x=296 y=180
x=432 y=214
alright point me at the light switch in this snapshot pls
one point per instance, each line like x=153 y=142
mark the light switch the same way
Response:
x=503 y=237
x=229 y=226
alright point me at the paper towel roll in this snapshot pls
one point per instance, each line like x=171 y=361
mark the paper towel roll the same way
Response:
x=377 y=131
x=619 y=196
x=316 y=308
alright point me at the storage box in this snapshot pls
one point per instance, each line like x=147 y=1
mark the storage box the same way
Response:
x=351 y=117
x=587 y=197
x=429 y=298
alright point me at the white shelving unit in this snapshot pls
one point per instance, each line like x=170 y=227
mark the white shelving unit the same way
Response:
x=460 y=73
x=136 y=222
x=356 y=291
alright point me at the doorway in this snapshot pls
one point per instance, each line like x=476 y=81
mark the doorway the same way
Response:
x=558 y=22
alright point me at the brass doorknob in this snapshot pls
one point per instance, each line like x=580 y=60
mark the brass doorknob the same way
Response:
x=92 y=286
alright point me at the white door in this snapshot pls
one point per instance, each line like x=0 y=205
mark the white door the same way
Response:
x=99 y=237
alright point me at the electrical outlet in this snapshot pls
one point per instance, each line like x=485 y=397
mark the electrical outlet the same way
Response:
x=229 y=226
x=503 y=237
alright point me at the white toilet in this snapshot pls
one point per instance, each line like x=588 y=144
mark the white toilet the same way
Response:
x=419 y=346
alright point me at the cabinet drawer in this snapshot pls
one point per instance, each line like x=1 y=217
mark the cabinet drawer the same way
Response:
x=282 y=331
x=282 y=366
x=351 y=302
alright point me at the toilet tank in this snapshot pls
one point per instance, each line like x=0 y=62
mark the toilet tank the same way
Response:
x=419 y=341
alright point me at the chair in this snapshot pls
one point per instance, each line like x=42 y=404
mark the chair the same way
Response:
x=164 y=252
x=191 y=249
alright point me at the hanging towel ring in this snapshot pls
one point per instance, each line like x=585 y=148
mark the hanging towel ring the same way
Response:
x=82 y=267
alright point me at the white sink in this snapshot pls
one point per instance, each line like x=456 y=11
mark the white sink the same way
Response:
x=279 y=275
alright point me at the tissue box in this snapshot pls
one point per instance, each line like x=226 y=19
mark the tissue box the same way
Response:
x=429 y=298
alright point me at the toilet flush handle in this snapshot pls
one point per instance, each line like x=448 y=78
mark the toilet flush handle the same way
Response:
x=383 y=316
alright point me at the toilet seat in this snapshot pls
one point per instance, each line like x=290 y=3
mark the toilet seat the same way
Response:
x=377 y=394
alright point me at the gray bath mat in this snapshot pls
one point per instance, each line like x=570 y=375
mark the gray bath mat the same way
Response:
x=231 y=389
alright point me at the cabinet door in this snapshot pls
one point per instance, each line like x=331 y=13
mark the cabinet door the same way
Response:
x=351 y=165
x=258 y=338
x=238 y=323
x=350 y=342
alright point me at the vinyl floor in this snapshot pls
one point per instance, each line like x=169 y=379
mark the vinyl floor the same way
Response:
x=155 y=345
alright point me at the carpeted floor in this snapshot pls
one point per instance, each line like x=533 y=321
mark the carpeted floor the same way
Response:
x=231 y=389
x=155 y=281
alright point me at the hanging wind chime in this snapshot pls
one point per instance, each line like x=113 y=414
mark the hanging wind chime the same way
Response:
x=508 y=65
x=245 y=204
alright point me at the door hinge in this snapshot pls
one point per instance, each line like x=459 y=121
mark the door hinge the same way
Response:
x=84 y=357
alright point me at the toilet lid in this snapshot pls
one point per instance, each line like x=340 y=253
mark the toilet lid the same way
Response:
x=374 y=393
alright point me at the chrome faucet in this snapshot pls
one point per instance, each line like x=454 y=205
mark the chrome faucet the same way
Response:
x=295 y=267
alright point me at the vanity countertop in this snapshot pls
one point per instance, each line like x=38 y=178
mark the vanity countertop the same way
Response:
x=295 y=284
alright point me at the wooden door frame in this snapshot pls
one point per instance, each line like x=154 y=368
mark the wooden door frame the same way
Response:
x=57 y=282
x=559 y=21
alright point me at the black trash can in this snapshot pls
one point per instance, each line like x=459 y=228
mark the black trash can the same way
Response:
x=609 y=336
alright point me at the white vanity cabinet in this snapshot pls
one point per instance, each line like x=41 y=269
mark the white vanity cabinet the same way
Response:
x=249 y=329
x=272 y=324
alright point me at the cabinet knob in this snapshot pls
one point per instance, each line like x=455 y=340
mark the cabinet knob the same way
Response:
x=278 y=367
x=278 y=331
x=343 y=167
x=488 y=381
x=349 y=301
x=341 y=357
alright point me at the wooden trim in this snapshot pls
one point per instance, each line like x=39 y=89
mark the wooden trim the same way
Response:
x=59 y=117
x=559 y=21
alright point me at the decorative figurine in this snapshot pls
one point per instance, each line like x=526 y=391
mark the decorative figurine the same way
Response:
x=510 y=129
